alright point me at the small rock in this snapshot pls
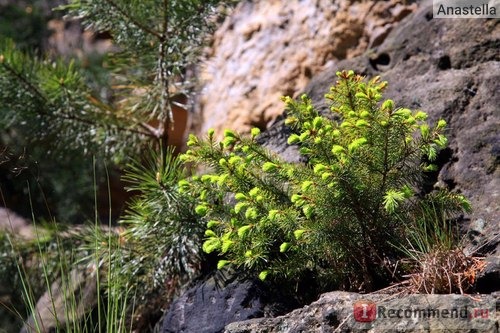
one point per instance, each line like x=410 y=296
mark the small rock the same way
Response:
x=14 y=224
x=488 y=280
x=78 y=295
x=211 y=305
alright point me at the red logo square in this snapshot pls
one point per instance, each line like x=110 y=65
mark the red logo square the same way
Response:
x=365 y=311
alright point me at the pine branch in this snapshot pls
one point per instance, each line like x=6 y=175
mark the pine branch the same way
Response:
x=24 y=81
x=67 y=116
x=132 y=20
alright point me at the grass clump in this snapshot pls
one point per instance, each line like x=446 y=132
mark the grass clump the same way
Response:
x=445 y=272
x=97 y=278
x=434 y=250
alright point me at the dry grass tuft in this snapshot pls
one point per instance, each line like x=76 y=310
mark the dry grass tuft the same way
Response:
x=445 y=272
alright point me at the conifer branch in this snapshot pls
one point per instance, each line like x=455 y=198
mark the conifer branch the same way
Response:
x=64 y=115
x=132 y=20
x=164 y=81
x=25 y=82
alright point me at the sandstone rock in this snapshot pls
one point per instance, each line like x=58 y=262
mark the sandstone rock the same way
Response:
x=267 y=49
x=337 y=312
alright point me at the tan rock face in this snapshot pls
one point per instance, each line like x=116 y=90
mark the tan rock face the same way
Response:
x=14 y=224
x=267 y=49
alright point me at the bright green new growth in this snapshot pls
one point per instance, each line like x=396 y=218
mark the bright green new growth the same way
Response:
x=335 y=217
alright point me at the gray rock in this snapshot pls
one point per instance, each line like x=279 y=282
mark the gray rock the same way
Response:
x=449 y=69
x=344 y=312
x=14 y=224
x=275 y=139
x=488 y=281
x=211 y=305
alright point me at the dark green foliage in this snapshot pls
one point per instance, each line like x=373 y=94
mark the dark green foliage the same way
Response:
x=56 y=114
x=48 y=103
x=48 y=133
x=162 y=232
x=61 y=187
x=337 y=216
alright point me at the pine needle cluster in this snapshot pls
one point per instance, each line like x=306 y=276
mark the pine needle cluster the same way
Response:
x=162 y=236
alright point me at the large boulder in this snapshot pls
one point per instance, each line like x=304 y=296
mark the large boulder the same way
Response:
x=266 y=49
x=450 y=69
x=377 y=313
x=212 y=304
